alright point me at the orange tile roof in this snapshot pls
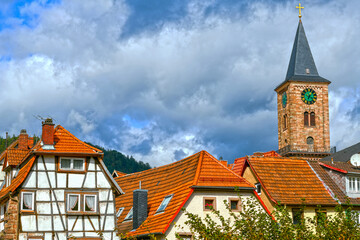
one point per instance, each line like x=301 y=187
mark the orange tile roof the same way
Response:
x=65 y=142
x=19 y=179
x=178 y=178
x=12 y=156
x=288 y=180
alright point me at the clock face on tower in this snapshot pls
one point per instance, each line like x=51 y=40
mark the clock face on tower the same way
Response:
x=308 y=96
x=284 y=99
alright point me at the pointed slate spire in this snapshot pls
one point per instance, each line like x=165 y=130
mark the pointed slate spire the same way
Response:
x=302 y=65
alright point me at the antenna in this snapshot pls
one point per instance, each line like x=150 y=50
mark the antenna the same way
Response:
x=6 y=141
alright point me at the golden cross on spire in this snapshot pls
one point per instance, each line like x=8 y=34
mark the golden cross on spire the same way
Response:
x=299 y=7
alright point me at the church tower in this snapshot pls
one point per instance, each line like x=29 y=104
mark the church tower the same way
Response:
x=303 y=105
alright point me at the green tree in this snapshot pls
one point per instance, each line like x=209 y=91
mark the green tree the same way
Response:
x=255 y=224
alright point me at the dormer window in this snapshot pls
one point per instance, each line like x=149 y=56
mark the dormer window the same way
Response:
x=72 y=164
x=353 y=186
x=129 y=216
x=118 y=214
x=164 y=203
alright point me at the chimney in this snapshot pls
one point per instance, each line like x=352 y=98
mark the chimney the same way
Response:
x=140 y=204
x=48 y=132
x=23 y=140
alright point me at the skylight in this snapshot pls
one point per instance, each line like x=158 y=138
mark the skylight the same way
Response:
x=119 y=212
x=164 y=203
x=129 y=215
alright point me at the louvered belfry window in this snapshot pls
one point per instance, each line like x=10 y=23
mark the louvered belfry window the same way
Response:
x=312 y=119
x=306 y=119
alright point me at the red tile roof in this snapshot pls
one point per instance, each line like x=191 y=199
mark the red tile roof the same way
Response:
x=65 y=142
x=287 y=180
x=12 y=156
x=178 y=178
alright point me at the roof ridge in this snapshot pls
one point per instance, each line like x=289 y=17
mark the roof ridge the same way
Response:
x=161 y=167
x=73 y=136
x=218 y=162
x=198 y=169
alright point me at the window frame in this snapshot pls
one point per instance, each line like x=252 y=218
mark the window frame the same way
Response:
x=127 y=217
x=297 y=210
x=204 y=203
x=71 y=169
x=238 y=205
x=306 y=119
x=119 y=212
x=257 y=189
x=32 y=202
x=96 y=202
x=312 y=120
x=161 y=211
x=185 y=234
x=81 y=200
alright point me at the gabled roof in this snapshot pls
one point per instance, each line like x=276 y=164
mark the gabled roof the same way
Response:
x=344 y=155
x=19 y=179
x=334 y=189
x=65 y=142
x=200 y=170
x=287 y=180
x=12 y=156
x=302 y=59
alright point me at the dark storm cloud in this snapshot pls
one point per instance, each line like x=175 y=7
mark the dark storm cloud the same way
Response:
x=185 y=76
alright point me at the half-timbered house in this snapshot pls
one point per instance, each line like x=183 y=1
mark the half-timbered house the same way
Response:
x=58 y=189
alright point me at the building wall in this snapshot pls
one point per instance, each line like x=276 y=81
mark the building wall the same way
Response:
x=195 y=205
x=50 y=219
x=296 y=133
x=11 y=219
x=339 y=178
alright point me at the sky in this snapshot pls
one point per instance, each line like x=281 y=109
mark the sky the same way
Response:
x=161 y=80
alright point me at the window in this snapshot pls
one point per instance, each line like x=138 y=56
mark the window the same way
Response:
x=72 y=164
x=129 y=215
x=353 y=184
x=306 y=119
x=185 y=236
x=164 y=203
x=297 y=214
x=27 y=201
x=310 y=141
x=258 y=188
x=81 y=203
x=320 y=216
x=209 y=203
x=235 y=204
x=312 y=119
x=118 y=214
x=89 y=203
x=73 y=203
x=285 y=121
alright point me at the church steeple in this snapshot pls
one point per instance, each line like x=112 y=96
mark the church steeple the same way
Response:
x=302 y=65
x=303 y=105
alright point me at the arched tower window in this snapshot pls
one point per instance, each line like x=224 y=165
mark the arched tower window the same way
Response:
x=306 y=119
x=285 y=121
x=312 y=119
x=310 y=140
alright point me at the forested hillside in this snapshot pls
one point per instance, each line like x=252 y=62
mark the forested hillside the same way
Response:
x=116 y=160
x=3 y=142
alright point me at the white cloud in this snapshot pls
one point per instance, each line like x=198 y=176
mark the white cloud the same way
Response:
x=210 y=77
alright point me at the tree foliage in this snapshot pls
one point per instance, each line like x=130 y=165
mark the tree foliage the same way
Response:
x=4 y=143
x=254 y=223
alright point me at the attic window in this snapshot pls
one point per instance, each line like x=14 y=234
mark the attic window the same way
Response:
x=119 y=212
x=164 y=203
x=307 y=71
x=258 y=188
x=129 y=216
x=72 y=164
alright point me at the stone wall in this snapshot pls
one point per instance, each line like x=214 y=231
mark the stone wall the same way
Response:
x=11 y=219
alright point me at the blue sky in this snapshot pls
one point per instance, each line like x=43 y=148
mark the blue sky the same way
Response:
x=161 y=79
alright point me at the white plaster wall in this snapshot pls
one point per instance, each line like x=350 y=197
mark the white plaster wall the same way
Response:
x=195 y=205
